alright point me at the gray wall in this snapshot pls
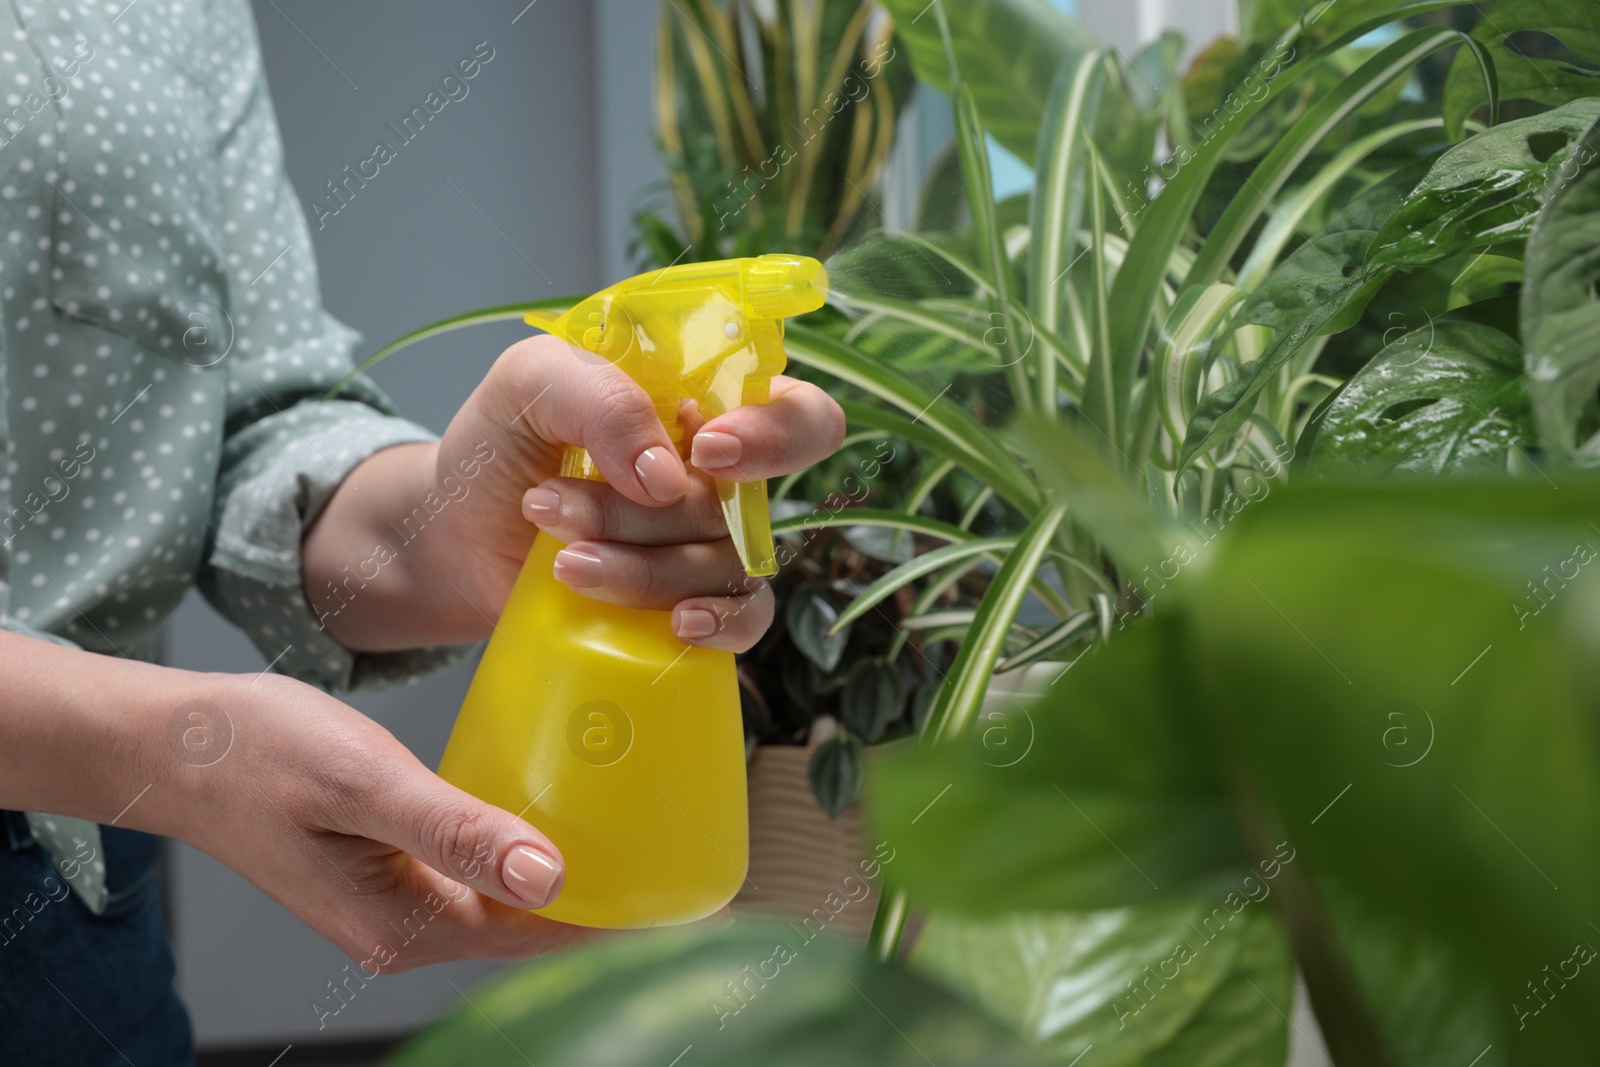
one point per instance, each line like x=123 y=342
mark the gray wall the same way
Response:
x=408 y=249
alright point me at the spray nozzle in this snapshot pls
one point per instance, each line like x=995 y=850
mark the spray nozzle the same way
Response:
x=707 y=332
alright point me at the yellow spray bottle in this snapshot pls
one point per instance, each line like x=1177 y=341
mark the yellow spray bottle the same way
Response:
x=623 y=744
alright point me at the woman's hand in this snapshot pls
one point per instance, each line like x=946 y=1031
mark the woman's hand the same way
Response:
x=651 y=536
x=309 y=799
x=331 y=816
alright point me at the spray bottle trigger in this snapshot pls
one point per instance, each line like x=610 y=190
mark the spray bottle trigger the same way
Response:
x=744 y=506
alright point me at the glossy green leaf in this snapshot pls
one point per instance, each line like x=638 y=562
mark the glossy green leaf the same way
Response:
x=1288 y=214
x=1509 y=31
x=1485 y=191
x=756 y=993
x=1561 y=300
x=1165 y=989
x=1008 y=52
x=1446 y=398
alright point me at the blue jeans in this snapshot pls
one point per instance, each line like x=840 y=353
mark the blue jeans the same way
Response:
x=81 y=989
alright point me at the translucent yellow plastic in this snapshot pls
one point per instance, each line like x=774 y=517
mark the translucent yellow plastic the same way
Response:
x=594 y=722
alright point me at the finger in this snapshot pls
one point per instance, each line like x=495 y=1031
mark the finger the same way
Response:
x=565 y=394
x=578 y=509
x=463 y=838
x=456 y=923
x=801 y=426
x=729 y=623
x=651 y=576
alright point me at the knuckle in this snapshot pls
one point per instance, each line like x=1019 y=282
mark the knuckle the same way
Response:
x=464 y=840
x=616 y=401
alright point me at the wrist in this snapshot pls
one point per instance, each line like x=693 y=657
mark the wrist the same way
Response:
x=377 y=569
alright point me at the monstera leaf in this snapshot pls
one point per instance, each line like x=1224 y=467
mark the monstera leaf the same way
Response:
x=1543 y=50
x=1446 y=398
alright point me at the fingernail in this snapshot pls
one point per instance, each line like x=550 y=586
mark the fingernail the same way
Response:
x=542 y=505
x=712 y=450
x=696 y=622
x=661 y=473
x=532 y=876
x=577 y=567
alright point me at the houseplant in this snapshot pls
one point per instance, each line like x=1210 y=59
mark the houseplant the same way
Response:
x=1187 y=415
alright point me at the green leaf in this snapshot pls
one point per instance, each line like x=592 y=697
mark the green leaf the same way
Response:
x=1132 y=790
x=645 y=999
x=821 y=518
x=1057 y=198
x=1431 y=1008
x=1507 y=31
x=1561 y=300
x=1446 y=398
x=920 y=567
x=1008 y=52
x=975 y=447
x=502 y=313
x=1485 y=191
x=1312 y=130
x=1183 y=351
x=968 y=680
x=1290 y=211
x=878 y=542
x=837 y=770
x=810 y=618
x=874 y=696
x=1104 y=504
x=1322 y=287
x=976 y=177
x=1161 y=990
x=1340 y=621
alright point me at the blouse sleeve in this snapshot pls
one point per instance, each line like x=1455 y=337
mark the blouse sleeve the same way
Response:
x=285 y=449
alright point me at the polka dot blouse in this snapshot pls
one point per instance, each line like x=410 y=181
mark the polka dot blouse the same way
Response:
x=163 y=350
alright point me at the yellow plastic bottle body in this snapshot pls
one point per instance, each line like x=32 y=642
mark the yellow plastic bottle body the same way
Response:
x=593 y=721
x=621 y=743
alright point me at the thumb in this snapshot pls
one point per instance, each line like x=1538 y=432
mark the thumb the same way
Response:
x=474 y=843
x=596 y=406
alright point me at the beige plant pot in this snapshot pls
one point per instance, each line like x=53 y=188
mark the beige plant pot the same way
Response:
x=802 y=863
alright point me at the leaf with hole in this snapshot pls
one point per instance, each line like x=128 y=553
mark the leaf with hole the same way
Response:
x=1543 y=50
x=1445 y=398
x=1486 y=191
